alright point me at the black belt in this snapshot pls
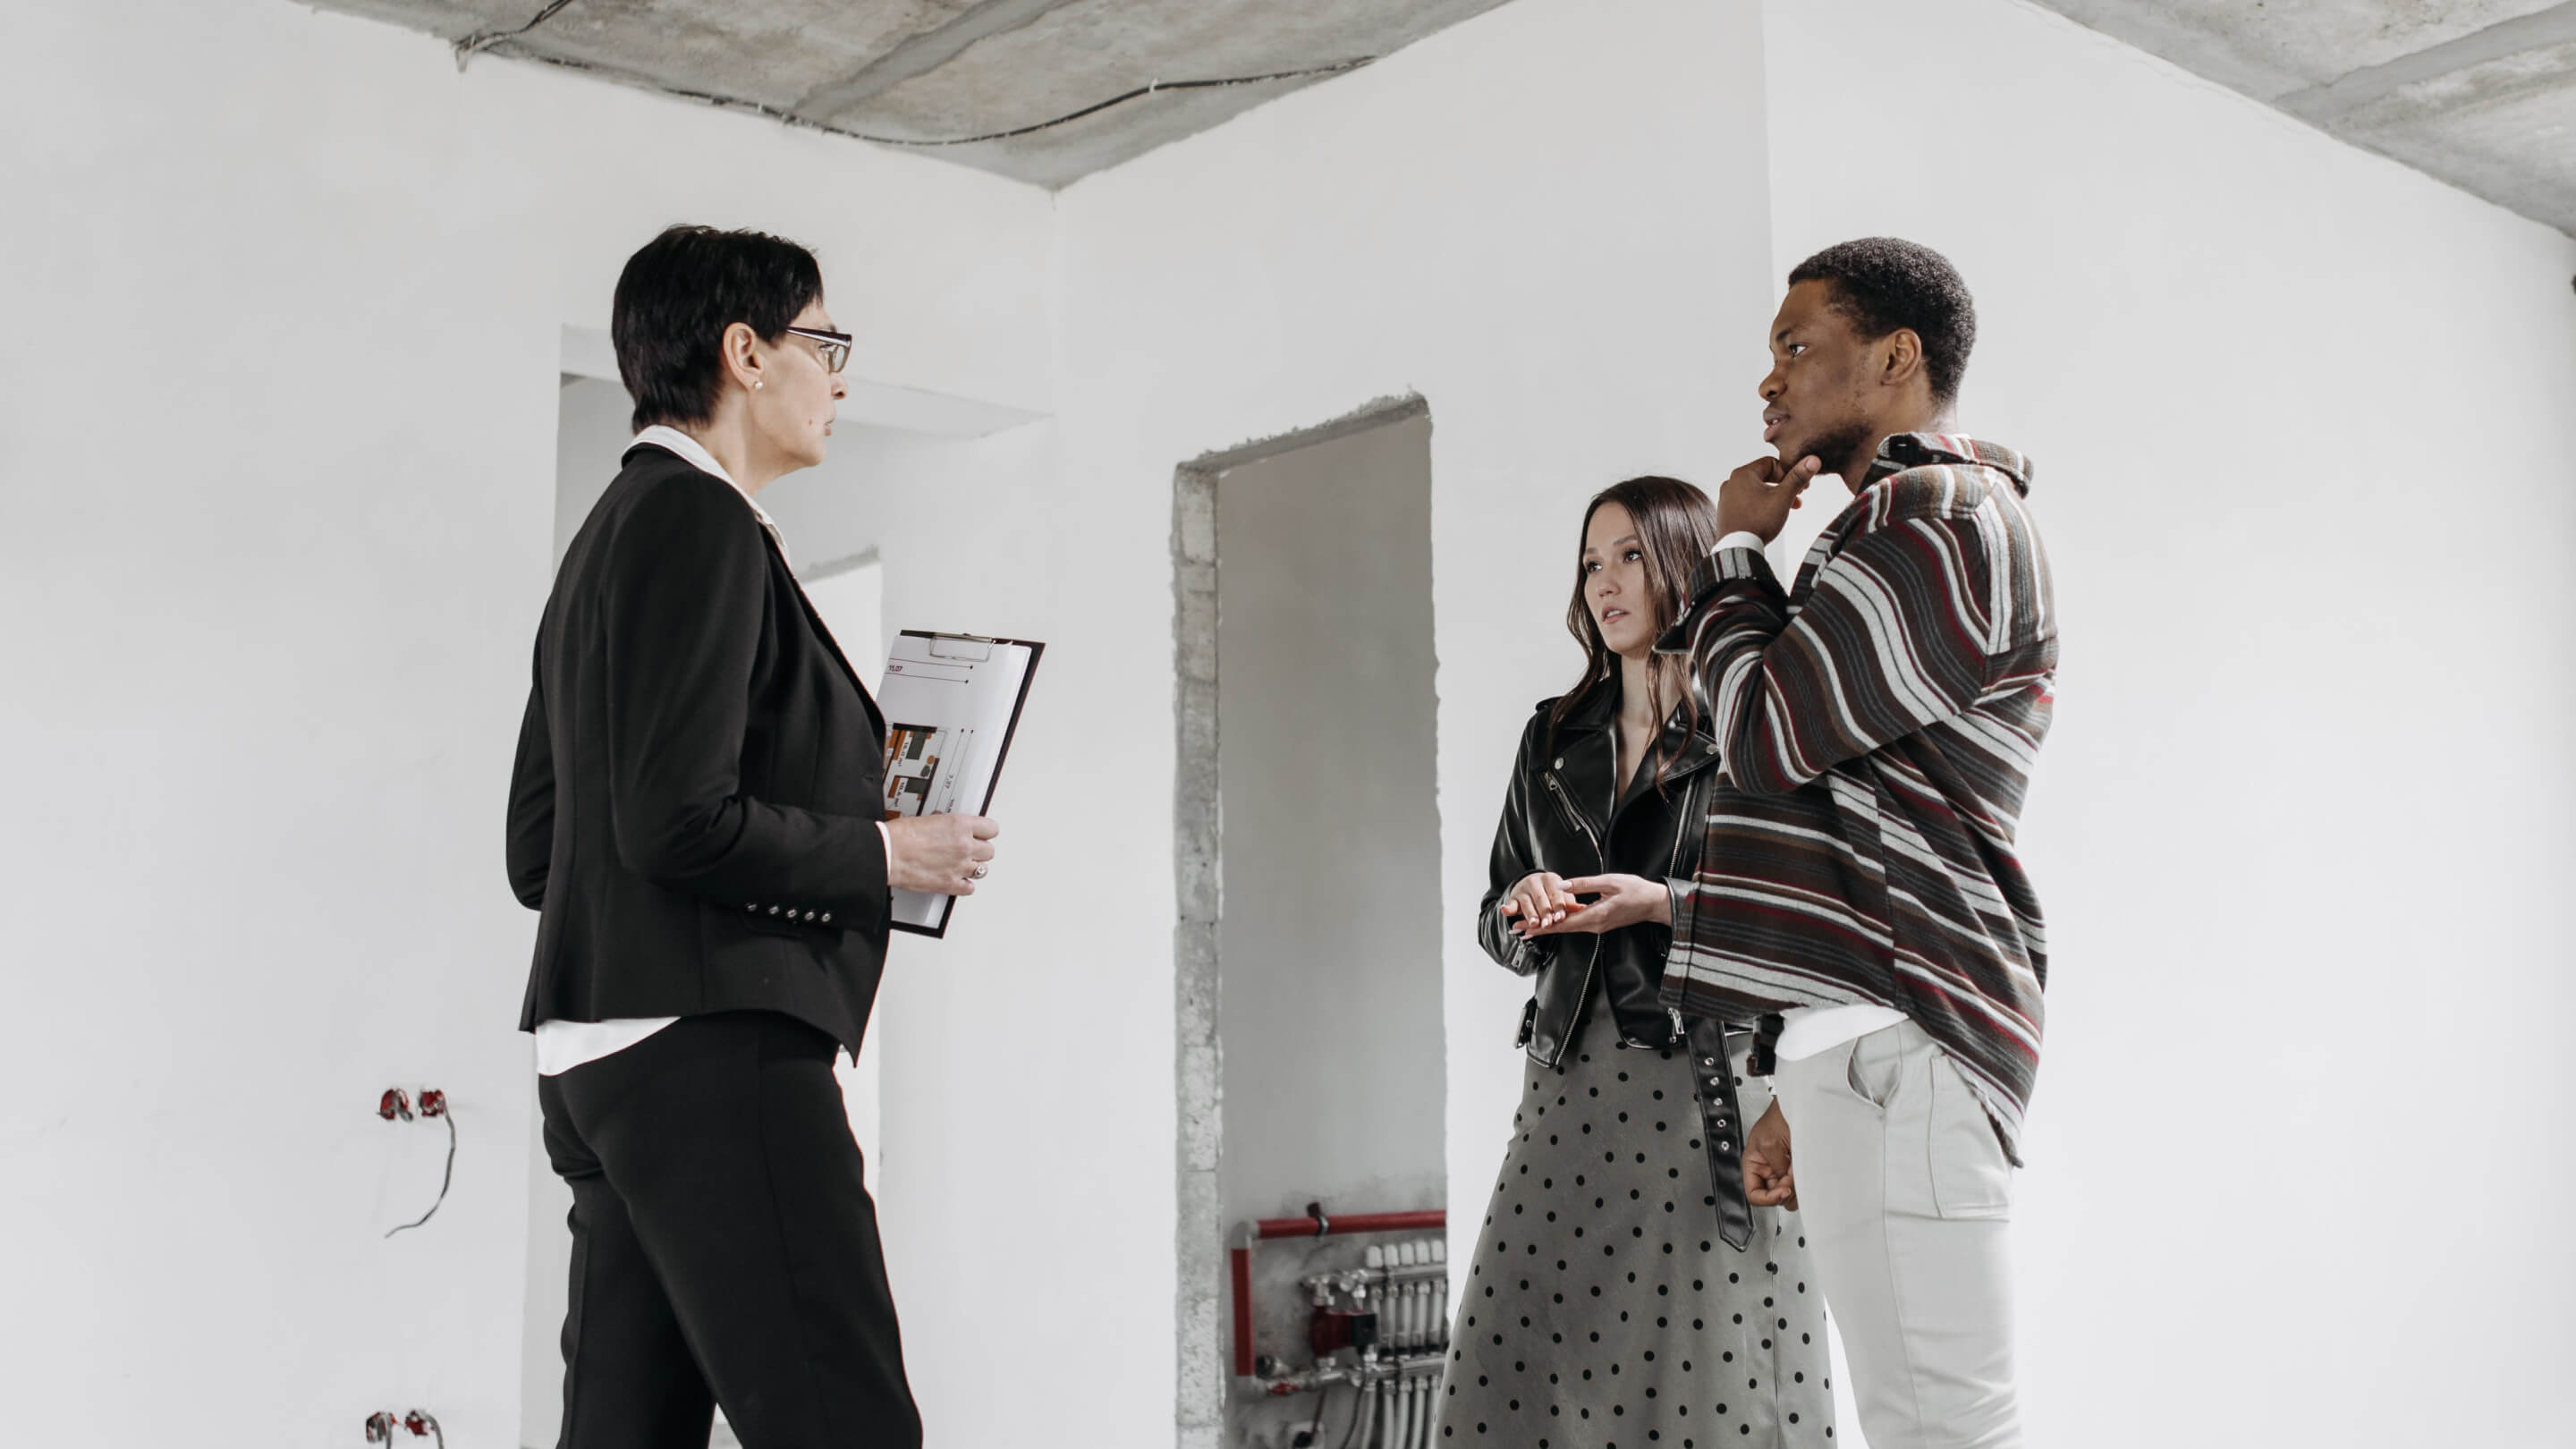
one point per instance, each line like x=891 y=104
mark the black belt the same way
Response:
x=1722 y=1125
x=1710 y=1044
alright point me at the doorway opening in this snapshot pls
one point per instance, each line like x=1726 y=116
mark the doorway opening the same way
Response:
x=1311 y=1062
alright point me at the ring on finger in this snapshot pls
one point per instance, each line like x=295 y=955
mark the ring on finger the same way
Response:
x=979 y=872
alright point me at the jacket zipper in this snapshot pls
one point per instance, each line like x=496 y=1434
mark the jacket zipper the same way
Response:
x=1604 y=858
x=1690 y=793
x=1577 y=817
x=1600 y=862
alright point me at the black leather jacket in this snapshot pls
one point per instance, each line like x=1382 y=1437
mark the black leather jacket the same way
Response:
x=1560 y=816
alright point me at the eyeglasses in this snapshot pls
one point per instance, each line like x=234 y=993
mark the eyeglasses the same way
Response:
x=833 y=347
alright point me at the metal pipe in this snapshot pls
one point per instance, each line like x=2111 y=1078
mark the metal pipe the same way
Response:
x=1330 y=1225
x=1440 y=1303
x=1242 y=1312
x=1316 y=1224
x=1421 y=1311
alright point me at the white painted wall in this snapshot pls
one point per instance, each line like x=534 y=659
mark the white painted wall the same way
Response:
x=2303 y=422
x=276 y=494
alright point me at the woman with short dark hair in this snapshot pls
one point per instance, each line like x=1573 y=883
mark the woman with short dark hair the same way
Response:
x=697 y=813
x=1623 y=1290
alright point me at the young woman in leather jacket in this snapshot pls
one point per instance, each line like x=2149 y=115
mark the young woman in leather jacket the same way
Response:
x=1623 y=1291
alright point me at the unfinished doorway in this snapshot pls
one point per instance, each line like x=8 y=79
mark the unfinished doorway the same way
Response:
x=1311 y=1052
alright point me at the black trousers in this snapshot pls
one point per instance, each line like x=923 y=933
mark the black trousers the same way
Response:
x=724 y=1249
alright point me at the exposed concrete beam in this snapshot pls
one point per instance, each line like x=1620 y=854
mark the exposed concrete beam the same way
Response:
x=921 y=54
x=2203 y=50
x=2348 y=94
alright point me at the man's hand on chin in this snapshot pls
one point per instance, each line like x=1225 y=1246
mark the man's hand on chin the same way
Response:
x=1757 y=497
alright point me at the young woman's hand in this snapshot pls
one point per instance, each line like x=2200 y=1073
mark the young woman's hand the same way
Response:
x=1624 y=900
x=1540 y=899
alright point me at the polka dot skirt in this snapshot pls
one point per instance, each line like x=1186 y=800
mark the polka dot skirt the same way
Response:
x=1602 y=1311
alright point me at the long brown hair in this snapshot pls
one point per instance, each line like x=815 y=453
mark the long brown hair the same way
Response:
x=1676 y=528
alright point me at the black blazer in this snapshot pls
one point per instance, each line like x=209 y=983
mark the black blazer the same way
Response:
x=699 y=778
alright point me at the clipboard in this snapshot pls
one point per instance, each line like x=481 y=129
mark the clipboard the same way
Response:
x=952 y=706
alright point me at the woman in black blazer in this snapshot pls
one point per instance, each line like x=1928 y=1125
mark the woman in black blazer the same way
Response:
x=697 y=812
x=1623 y=1291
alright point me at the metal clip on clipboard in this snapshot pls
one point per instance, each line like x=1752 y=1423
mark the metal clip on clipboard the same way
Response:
x=974 y=648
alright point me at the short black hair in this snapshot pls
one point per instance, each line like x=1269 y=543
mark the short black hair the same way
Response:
x=676 y=298
x=1882 y=283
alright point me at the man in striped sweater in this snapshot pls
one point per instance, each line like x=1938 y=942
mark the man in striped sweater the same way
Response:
x=1859 y=890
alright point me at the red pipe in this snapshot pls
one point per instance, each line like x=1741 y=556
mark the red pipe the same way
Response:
x=1243 y=1313
x=1336 y=1225
x=1309 y=1228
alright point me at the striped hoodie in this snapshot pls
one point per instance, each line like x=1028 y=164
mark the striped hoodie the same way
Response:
x=1878 y=723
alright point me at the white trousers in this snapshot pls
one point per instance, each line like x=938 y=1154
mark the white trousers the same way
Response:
x=1907 y=1200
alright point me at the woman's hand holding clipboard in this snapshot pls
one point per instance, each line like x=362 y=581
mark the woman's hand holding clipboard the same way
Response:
x=952 y=704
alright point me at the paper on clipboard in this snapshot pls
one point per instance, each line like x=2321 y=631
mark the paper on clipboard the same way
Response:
x=951 y=703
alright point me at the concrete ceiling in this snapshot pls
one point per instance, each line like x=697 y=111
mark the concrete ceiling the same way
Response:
x=2480 y=93
x=934 y=70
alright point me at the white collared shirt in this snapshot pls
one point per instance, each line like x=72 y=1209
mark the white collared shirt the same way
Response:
x=564 y=1045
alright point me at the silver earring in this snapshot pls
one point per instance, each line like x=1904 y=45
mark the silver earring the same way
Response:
x=755 y=384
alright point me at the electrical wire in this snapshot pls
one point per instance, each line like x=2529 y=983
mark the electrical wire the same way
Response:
x=1139 y=93
x=790 y=118
x=484 y=39
x=480 y=41
x=449 y=1117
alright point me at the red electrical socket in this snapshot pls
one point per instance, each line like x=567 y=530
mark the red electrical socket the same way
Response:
x=433 y=1102
x=394 y=1103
